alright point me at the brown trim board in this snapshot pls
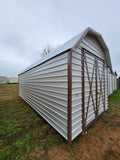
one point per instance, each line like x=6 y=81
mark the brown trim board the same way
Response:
x=70 y=97
x=83 y=91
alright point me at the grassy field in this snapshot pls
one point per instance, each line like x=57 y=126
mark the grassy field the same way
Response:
x=25 y=135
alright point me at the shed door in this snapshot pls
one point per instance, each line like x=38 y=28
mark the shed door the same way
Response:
x=93 y=92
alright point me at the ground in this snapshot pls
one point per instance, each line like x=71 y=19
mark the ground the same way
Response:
x=25 y=135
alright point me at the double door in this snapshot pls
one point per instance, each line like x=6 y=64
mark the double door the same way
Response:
x=94 y=89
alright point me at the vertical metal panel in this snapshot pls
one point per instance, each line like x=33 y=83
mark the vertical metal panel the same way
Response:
x=45 y=89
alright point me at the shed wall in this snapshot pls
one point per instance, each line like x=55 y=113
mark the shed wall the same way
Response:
x=76 y=93
x=92 y=45
x=3 y=80
x=110 y=83
x=12 y=80
x=118 y=83
x=45 y=89
x=114 y=78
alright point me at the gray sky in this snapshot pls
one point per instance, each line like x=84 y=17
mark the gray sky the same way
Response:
x=27 y=26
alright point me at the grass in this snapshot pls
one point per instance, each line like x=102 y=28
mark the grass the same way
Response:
x=21 y=128
x=114 y=99
x=25 y=135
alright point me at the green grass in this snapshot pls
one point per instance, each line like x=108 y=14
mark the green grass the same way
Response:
x=114 y=99
x=22 y=130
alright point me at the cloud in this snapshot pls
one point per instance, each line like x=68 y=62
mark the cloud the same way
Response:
x=27 y=26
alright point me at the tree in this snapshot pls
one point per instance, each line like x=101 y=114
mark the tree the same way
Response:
x=47 y=50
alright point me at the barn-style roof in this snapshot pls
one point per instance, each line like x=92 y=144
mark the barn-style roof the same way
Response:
x=73 y=43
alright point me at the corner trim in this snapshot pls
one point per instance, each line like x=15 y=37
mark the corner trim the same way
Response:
x=70 y=97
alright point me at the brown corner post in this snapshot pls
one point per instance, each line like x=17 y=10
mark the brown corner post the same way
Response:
x=107 y=82
x=104 y=86
x=96 y=68
x=70 y=97
x=83 y=91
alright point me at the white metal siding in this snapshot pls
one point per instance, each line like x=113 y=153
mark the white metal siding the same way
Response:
x=12 y=80
x=106 y=88
x=115 y=82
x=3 y=80
x=45 y=89
x=76 y=93
x=90 y=64
x=110 y=83
x=92 y=45
x=114 y=78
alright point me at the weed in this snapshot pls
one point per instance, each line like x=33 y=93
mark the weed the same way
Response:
x=106 y=128
x=36 y=119
x=40 y=133
x=118 y=112
x=28 y=147
x=19 y=155
x=40 y=148
x=118 y=124
x=72 y=152
x=6 y=154
x=92 y=133
x=27 y=127
x=51 y=140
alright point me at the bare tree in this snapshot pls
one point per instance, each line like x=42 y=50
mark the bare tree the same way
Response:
x=47 y=50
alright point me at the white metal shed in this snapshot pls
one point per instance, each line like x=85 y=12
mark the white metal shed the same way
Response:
x=110 y=82
x=69 y=87
x=3 y=80
x=12 y=80
x=114 y=81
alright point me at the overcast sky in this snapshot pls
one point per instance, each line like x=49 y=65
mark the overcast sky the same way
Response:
x=27 y=26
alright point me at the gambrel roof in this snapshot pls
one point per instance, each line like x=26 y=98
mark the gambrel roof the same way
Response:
x=73 y=43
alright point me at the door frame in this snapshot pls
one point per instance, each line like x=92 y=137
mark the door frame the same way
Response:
x=96 y=107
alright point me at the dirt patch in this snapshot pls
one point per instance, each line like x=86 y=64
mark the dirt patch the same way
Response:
x=102 y=142
x=59 y=153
